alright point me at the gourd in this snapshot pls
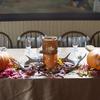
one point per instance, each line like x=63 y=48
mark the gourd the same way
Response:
x=93 y=59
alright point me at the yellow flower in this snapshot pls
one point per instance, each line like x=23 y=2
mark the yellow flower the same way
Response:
x=60 y=61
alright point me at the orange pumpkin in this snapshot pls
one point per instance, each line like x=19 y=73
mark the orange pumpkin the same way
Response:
x=5 y=61
x=93 y=59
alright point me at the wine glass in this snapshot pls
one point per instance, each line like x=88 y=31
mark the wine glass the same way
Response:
x=39 y=47
x=28 y=45
x=87 y=39
x=75 y=43
x=88 y=46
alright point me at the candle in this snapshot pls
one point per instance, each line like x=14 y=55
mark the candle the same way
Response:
x=49 y=46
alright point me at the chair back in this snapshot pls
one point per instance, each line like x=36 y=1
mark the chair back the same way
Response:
x=95 y=39
x=35 y=37
x=67 y=38
x=5 y=40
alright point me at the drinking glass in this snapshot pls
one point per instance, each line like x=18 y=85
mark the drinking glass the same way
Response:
x=87 y=39
x=28 y=45
x=75 y=43
x=39 y=48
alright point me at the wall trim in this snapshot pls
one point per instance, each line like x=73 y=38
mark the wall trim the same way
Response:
x=49 y=16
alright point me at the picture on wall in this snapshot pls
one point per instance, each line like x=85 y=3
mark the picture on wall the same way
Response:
x=45 y=6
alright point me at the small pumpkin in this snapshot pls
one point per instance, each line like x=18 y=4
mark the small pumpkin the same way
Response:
x=93 y=59
x=5 y=60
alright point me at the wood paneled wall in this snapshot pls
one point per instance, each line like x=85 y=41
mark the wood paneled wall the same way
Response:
x=15 y=28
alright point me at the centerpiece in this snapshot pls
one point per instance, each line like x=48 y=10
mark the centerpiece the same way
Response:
x=49 y=66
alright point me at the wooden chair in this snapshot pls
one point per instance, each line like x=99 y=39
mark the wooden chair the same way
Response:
x=5 y=40
x=34 y=35
x=66 y=39
x=95 y=39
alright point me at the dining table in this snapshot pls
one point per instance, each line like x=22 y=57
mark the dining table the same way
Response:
x=71 y=87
